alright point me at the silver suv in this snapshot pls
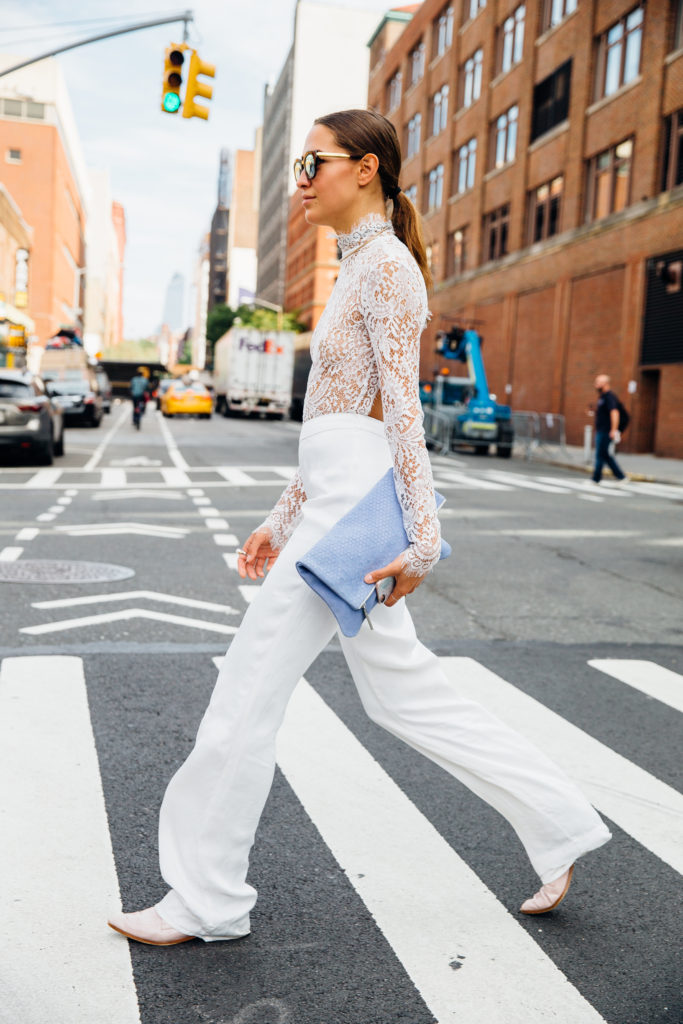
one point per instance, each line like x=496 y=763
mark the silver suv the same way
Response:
x=29 y=421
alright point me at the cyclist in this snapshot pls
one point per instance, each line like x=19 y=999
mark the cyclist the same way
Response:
x=139 y=393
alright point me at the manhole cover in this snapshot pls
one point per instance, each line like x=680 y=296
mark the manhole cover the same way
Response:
x=53 y=571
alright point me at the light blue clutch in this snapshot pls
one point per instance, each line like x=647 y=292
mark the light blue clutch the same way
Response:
x=368 y=537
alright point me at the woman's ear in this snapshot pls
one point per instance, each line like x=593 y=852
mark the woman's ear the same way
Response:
x=368 y=167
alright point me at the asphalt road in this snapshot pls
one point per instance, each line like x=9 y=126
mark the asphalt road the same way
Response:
x=561 y=608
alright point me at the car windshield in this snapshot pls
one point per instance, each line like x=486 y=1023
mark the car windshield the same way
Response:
x=13 y=389
x=197 y=389
x=165 y=385
x=69 y=387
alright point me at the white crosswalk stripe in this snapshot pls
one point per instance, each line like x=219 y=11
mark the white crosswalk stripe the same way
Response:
x=654 y=680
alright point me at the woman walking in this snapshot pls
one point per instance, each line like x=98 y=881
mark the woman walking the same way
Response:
x=362 y=416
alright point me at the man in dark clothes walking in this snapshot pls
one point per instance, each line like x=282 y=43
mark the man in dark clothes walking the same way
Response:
x=606 y=429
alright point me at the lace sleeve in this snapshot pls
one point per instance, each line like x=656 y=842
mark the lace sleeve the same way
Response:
x=395 y=311
x=283 y=519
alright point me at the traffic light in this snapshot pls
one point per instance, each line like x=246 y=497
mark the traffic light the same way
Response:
x=196 y=88
x=173 y=78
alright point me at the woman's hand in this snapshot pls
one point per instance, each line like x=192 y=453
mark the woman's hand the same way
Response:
x=404 y=584
x=258 y=549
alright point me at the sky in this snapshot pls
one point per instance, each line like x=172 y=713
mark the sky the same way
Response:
x=163 y=168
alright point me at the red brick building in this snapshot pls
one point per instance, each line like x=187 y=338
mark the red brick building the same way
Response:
x=311 y=265
x=543 y=144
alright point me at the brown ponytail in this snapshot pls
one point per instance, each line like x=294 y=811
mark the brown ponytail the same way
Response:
x=366 y=131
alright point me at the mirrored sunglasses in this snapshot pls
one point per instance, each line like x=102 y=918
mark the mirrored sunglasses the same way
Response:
x=309 y=162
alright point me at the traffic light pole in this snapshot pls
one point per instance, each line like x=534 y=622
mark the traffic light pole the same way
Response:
x=186 y=16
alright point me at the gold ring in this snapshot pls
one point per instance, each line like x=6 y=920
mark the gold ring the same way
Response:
x=240 y=551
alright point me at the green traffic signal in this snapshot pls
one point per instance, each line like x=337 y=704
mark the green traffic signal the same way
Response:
x=171 y=102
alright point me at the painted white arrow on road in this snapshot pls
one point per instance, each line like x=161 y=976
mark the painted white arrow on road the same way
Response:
x=136 y=460
x=127 y=613
x=137 y=595
x=112 y=529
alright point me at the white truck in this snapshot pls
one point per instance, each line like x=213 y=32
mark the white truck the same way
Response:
x=253 y=371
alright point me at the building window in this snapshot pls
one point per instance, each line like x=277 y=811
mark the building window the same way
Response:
x=465 y=167
x=505 y=144
x=413 y=135
x=677 y=42
x=433 y=262
x=13 y=108
x=456 y=257
x=544 y=210
x=496 y=225
x=35 y=110
x=439 y=105
x=434 y=188
x=555 y=11
x=411 y=193
x=443 y=32
x=609 y=179
x=13 y=156
x=471 y=8
x=417 y=63
x=511 y=40
x=471 y=78
x=672 y=167
x=551 y=101
x=619 y=54
x=394 y=91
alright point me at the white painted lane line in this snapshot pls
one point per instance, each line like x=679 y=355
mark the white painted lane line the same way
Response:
x=217 y=524
x=28 y=533
x=175 y=477
x=665 y=542
x=174 y=455
x=126 y=613
x=451 y=478
x=656 y=490
x=646 y=676
x=201 y=501
x=225 y=539
x=71 y=493
x=562 y=534
x=585 y=486
x=113 y=529
x=192 y=491
x=64 y=501
x=208 y=511
x=56 y=509
x=518 y=480
x=636 y=801
x=127 y=495
x=46 y=517
x=589 y=497
x=44 y=478
x=60 y=961
x=230 y=559
x=431 y=907
x=113 y=478
x=99 y=451
x=235 y=476
x=136 y=595
x=249 y=592
x=10 y=554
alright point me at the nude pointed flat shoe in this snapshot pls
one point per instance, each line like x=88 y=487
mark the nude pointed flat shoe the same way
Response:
x=549 y=895
x=146 y=926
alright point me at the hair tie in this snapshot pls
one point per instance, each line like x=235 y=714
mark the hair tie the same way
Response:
x=394 y=192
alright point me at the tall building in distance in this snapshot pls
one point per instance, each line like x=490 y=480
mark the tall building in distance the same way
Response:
x=218 y=237
x=42 y=169
x=326 y=69
x=543 y=144
x=243 y=225
x=105 y=240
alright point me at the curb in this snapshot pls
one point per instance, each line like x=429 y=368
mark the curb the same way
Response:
x=643 y=478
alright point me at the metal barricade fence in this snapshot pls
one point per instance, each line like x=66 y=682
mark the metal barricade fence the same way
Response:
x=534 y=430
x=437 y=427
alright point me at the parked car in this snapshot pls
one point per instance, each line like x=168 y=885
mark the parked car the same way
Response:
x=189 y=399
x=29 y=419
x=105 y=388
x=78 y=394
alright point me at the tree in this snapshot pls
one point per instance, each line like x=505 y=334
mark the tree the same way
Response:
x=219 y=320
x=267 y=319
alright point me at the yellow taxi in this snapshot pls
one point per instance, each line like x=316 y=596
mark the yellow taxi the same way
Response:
x=191 y=399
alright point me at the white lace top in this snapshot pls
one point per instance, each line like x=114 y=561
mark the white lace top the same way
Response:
x=368 y=339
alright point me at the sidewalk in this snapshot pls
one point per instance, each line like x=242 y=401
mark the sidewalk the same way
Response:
x=639 y=467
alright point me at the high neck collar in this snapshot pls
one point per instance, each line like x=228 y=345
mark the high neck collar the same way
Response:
x=363 y=230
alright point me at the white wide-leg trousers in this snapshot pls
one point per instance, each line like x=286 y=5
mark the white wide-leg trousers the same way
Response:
x=213 y=803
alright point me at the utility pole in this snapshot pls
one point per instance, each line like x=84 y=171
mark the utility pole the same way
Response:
x=187 y=17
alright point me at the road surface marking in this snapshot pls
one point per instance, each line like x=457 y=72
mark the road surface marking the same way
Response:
x=235 y=476
x=174 y=455
x=589 y=497
x=451 y=478
x=564 y=534
x=286 y=472
x=646 y=676
x=211 y=511
x=161 y=495
x=225 y=538
x=126 y=613
x=43 y=478
x=201 y=501
x=97 y=454
x=71 y=493
x=60 y=961
x=433 y=910
x=56 y=509
x=28 y=533
x=231 y=559
x=136 y=595
x=10 y=554
x=176 y=477
x=106 y=529
x=217 y=524
x=46 y=517
x=113 y=478
x=518 y=480
x=636 y=801
x=674 y=542
x=249 y=592
x=585 y=485
x=192 y=491
x=64 y=501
